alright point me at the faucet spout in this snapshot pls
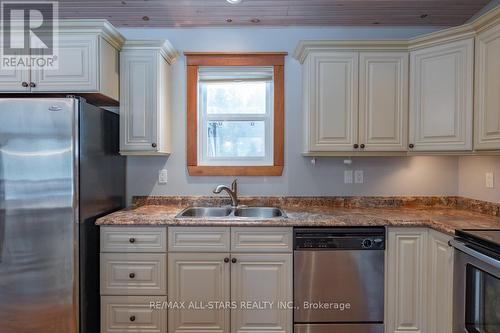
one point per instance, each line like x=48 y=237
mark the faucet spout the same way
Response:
x=232 y=192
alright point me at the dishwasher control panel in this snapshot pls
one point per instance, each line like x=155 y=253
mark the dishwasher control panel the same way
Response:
x=339 y=239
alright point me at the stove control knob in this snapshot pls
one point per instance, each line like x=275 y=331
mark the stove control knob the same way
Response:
x=378 y=242
x=367 y=243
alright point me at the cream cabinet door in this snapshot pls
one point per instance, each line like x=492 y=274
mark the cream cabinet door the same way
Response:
x=440 y=287
x=331 y=83
x=487 y=97
x=383 y=101
x=14 y=80
x=261 y=285
x=441 y=97
x=194 y=280
x=77 y=66
x=138 y=100
x=406 y=276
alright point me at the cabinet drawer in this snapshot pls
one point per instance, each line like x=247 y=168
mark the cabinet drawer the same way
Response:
x=133 y=274
x=198 y=239
x=252 y=239
x=124 y=314
x=133 y=239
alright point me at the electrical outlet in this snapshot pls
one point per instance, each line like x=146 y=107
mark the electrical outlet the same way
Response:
x=490 y=180
x=347 y=176
x=163 y=176
x=358 y=177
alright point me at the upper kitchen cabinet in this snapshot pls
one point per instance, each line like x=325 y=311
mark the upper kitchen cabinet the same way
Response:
x=441 y=96
x=145 y=88
x=355 y=99
x=15 y=80
x=487 y=94
x=331 y=101
x=87 y=64
x=383 y=101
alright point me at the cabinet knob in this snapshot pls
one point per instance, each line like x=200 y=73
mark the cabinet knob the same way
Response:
x=411 y=145
x=153 y=145
x=32 y=84
x=234 y=260
x=131 y=275
x=131 y=240
x=226 y=259
x=25 y=84
x=356 y=146
x=132 y=318
x=362 y=146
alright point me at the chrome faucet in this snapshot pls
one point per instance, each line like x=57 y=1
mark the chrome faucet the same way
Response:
x=233 y=192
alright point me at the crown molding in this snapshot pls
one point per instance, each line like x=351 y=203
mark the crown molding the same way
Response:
x=98 y=26
x=165 y=48
x=306 y=46
x=491 y=17
x=468 y=30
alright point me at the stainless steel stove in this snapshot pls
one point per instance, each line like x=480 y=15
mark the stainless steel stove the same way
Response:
x=476 y=281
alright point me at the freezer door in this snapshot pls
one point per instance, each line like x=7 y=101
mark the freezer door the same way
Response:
x=102 y=191
x=38 y=237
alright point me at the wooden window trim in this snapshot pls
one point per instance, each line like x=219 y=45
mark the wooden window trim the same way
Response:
x=196 y=59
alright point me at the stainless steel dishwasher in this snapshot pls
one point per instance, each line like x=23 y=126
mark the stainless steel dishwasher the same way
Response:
x=339 y=280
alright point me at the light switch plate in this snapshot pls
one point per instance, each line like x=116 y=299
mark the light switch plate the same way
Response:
x=490 y=181
x=348 y=177
x=163 y=176
x=358 y=177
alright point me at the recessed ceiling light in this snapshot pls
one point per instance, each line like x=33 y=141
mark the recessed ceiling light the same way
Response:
x=234 y=2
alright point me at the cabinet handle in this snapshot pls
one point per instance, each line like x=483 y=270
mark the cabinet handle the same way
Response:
x=226 y=260
x=131 y=240
x=153 y=145
x=32 y=84
x=132 y=318
x=25 y=84
x=131 y=275
x=411 y=145
x=234 y=260
x=356 y=146
x=362 y=146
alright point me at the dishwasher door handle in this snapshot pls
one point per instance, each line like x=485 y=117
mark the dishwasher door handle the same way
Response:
x=461 y=246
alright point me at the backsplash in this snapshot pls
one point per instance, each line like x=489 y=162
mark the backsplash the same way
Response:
x=454 y=202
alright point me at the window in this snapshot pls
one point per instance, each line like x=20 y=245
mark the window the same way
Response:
x=235 y=114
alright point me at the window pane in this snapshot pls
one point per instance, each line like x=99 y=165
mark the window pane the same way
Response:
x=236 y=139
x=236 y=97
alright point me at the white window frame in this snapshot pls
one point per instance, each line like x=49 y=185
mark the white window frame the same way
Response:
x=204 y=118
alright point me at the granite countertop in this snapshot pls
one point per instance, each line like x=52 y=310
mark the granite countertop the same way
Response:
x=439 y=217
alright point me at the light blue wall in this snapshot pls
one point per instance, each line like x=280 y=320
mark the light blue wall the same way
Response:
x=383 y=176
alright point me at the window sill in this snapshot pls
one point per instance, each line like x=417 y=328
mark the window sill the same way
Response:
x=273 y=170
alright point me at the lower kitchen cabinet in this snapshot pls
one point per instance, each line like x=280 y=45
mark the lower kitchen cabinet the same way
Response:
x=237 y=291
x=194 y=280
x=419 y=281
x=132 y=314
x=440 y=287
x=258 y=278
x=133 y=264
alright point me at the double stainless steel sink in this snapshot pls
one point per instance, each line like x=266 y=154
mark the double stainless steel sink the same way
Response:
x=251 y=213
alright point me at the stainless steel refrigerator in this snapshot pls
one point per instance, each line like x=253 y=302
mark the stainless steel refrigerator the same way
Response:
x=59 y=171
